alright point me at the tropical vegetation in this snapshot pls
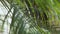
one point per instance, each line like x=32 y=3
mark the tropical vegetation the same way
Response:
x=32 y=16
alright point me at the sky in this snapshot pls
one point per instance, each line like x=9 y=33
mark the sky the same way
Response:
x=3 y=11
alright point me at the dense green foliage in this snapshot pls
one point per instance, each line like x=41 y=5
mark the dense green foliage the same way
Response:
x=32 y=16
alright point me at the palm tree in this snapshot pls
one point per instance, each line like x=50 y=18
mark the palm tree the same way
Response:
x=31 y=16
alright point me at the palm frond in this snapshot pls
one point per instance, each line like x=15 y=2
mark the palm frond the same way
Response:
x=36 y=14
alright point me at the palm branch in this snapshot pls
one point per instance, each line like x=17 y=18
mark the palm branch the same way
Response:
x=32 y=15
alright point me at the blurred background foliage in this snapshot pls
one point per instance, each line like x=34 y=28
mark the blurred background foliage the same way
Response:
x=32 y=16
